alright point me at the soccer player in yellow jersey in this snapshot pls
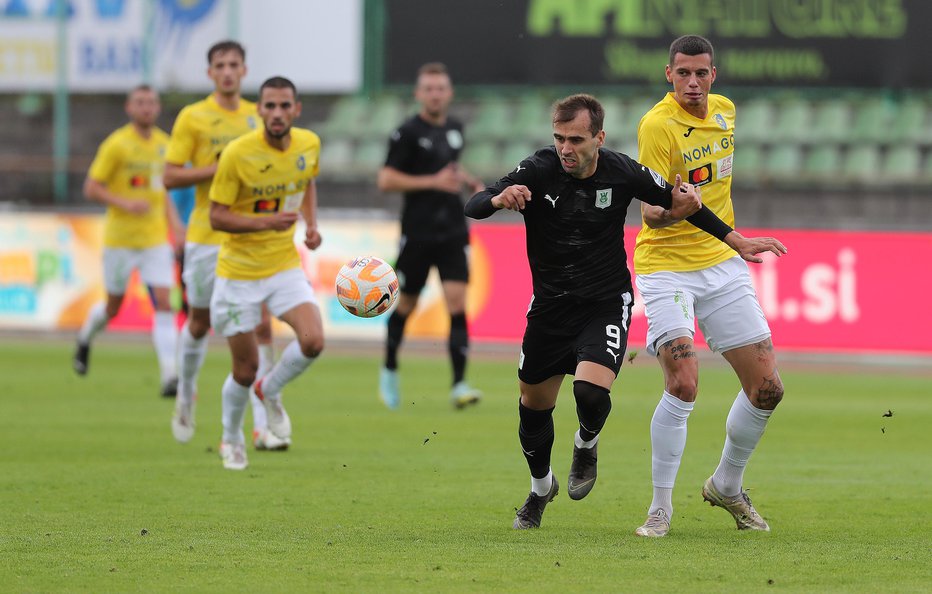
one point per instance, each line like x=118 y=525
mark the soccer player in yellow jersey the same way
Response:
x=126 y=176
x=201 y=132
x=685 y=276
x=264 y=180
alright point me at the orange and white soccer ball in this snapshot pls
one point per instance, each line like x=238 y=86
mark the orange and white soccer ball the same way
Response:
x=367 y=287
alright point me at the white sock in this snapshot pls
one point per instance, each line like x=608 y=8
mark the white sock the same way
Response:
x=235 y=397
x=291 y=364
x=743 y=430
x=94 y=323
x=585 y=445
x=266 y=360
x=191 y=357
x=541 y=486
x=165 y=339
x=667 y=440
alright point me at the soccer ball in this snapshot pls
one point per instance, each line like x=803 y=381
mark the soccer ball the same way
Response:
x=367 y=287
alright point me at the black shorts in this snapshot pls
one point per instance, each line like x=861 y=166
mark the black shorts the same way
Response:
x=559 y=337
x=417 y=257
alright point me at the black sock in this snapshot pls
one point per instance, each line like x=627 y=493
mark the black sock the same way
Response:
x=396 y=330
x=593 y=403
x=459 y=346
x=535 y=431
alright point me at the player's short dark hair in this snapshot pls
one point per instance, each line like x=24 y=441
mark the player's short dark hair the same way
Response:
x=691 y=45
x=145 y=88
x=433 y=68
x=227 y=45
x=565 y=110
x=278 y=82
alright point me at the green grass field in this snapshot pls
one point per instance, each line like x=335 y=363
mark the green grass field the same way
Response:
x=97 y=497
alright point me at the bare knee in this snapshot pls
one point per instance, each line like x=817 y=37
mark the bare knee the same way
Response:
x=769 y=394
x=684 y=384
x=245 y=374
x=312 y=345
x=199 y=322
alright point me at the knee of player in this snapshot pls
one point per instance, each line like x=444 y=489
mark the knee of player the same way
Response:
x=311 y=345
x=684 y=385
x=591 y=396
x=245 y=375
x=769 y=394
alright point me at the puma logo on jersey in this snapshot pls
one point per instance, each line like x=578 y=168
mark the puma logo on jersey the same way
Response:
x=553 y=201
x=519 y=168
x=612 y=353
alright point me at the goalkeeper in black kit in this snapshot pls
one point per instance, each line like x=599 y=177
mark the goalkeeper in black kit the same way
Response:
x=574 y=197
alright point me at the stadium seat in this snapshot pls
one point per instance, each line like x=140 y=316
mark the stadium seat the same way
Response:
x=492 y=120
x=347 y=118
x=516 y=151
x=370 y=156
x=910 y=121
x=902 y=165
x=631 y=116
x=336 y=157
x=872 y=122
x=614 y=123
x=784 y=164
x=823 y=163
x=862 y=164
x=748 y=164
x=754 y=122
x=483 y=158
x=793 y=122
x=384 y=116
x=531 y=119
x=831 y=122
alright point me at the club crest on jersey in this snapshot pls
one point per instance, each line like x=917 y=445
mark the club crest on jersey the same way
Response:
x=266 y=206
x=720 y=120
x=454 y=139
x=301 y=163
x=251 y=122
x=603 y=198
x=700 y=176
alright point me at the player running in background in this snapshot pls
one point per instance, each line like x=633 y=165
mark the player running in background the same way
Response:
x=422 y=164
x=199 y=135
x=685 y=276
x=263 y=181
x=126 y=176
x=574 y=197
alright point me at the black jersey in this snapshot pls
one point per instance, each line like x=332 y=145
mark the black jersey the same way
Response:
x=418 y=147
x=575 y=227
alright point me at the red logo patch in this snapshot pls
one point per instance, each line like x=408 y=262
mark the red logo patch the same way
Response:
x=700 y=176
x=266 y=205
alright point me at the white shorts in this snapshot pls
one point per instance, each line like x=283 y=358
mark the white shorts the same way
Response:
x=156 y=267
x=200 y=270
x=721 y=298
x=236 y=306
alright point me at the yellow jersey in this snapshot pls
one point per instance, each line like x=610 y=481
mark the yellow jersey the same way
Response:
x=671 y=141
x=201 y=132
x=257 y=180
x=131 y=167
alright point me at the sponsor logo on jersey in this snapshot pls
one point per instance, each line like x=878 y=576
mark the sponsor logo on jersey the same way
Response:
x=454 y=139
x=699 y=153
x=688 y=132
x=603 y=198
x=553 y=201
x=425 y=143
x=266 y=205
x=720 y=120
x=723 y=166
x=139 y=181
x=700 y=176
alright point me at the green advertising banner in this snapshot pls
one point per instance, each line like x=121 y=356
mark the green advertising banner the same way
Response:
x=859 y=43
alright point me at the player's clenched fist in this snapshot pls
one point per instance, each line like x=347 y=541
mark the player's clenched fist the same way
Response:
x=512 y=198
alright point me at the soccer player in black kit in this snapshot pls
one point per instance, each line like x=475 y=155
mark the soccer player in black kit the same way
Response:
x=574 y=197
x=422 y=164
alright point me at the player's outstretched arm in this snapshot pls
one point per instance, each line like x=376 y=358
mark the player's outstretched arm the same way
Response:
x=749 y=247
x=483 y=204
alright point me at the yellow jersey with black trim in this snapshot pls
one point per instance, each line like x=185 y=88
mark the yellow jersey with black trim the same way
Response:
x=671 y=141
x=200 y=134
x=257 y=180
x=131 y=167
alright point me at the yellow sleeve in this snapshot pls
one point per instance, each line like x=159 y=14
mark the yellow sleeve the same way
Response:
x=654 y=145
x=226 y=183
x=106 y=161
x=181 y=143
